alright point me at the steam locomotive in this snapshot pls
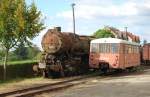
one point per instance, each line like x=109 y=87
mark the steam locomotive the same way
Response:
x=64 y=53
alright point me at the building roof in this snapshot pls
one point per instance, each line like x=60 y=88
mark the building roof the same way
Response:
x=113 y=40
x=123 y=34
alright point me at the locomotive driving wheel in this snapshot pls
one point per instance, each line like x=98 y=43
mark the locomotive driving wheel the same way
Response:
x=56 y=70
x=61 y=70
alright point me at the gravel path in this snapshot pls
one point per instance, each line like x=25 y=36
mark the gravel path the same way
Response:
x=133 y=85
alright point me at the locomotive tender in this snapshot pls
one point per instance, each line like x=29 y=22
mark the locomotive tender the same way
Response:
x=113 y=53
x=64 y=53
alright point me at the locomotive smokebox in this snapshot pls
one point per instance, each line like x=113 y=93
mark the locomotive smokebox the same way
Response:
x=55 y=42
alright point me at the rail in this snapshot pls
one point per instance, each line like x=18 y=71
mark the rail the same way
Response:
x=29 y=92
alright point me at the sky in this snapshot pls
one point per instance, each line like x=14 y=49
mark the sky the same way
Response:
x=92 y=15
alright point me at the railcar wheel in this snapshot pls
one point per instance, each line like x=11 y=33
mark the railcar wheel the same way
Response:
x=131 y=69
x=118 y=70
x=104 y=68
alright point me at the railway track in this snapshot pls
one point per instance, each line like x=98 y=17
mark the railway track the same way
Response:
x=30 y=92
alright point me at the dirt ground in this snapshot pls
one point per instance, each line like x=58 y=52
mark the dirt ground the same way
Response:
x=136 y=84
x=32 y=82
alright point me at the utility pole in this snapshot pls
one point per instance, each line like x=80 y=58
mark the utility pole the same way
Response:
x=126 y=30
x=74 y=31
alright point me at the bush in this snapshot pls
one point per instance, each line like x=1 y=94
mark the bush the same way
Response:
x=18 y=69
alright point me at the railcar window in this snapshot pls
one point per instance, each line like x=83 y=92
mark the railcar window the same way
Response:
x=133 y=49
x=129 y=51
x=94 y=48
x=121 y=49
x=137 y=50
x=104 y=48
x=100 y=48
x=126 y=49
x=107 y=46
x=114 y=48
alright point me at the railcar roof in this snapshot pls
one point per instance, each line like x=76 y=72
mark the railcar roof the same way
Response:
x=113 y=40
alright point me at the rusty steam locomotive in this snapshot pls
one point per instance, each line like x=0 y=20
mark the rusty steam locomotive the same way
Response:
x=64 y=53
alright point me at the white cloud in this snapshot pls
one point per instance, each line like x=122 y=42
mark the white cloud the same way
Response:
x=132 y=13
x=88 y=11
x=94 y=14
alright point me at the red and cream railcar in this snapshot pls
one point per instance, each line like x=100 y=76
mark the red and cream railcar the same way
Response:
x=146 y=53
x=112 y=53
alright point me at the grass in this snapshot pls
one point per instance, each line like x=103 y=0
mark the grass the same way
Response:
x=18 y=79
x=19 y=62
x=11 y=80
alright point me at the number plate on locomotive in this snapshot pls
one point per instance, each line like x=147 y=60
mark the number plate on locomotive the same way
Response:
x=42 y=65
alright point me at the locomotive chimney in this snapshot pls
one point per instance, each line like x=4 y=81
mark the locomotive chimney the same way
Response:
x=58 y=29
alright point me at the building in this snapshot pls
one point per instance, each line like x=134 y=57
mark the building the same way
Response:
x=125 y=35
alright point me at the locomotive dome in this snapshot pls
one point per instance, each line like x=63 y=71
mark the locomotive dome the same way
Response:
x=113 y=40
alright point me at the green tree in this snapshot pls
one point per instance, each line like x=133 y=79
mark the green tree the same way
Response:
x=102 y=33
x=33 y=51
x=18 y=23
x=21 y=52
x=144 y=42
x=1 y=55
x=12 y=56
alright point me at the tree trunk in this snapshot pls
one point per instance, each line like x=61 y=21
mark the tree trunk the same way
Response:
x=5 y=64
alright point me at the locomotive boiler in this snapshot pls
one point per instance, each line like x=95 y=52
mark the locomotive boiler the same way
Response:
x=64 y=53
